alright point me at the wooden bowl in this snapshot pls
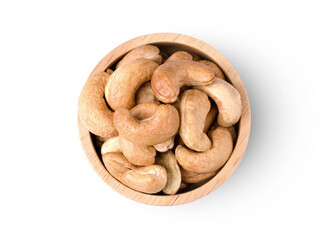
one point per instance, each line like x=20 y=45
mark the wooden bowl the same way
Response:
x=171 y=42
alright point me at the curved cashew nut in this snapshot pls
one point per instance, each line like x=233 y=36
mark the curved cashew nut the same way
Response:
x=171 y=76
x=148 y=179
x=194 y=106
x=218 y=72
x=191 y=177
x=123 y=83
x=146 y=52
x=211 y=160
x=93 y=110
x=136 y=154
x=227 y=99
x=168 y=161
x=145 y=94
x=180 y=55
x=212 y=114
x=161 y=126
x=146 y=110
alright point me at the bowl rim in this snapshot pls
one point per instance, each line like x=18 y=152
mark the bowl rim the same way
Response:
x=242 y=138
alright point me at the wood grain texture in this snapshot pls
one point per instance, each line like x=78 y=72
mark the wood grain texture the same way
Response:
x=171 y=42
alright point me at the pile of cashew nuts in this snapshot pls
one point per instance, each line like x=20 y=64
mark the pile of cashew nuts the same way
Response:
x=161 y=123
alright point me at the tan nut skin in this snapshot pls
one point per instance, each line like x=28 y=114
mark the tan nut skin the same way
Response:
x=111 y=145
x=93 y=110
x=136 y=154
x=191 y=177
x=174 y=179
x=161 y=126
x=123 y=83
x=217 y=70
x=146 y=110
x=211 y=116
x=171 y=76
x=194 y=106
x=166 y=145
x=145 y=52
x=227 y=99
x=180 y=55
x=148 y=179
x=211 y=160
x=233 y=133
x=145 y=94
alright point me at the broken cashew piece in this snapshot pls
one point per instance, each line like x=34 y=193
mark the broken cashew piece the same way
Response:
x=161 y=126
x=180 y=55
x=191 y=177
x=227 y=99
x=168 y=161
x=194 y=106
x=218 y=72
x=93 y=110
x=145 y=94
x=146 y=52
x=123 y=83
x=211 y=160
x=171 y=76
x=148 y=179
x=136 y=154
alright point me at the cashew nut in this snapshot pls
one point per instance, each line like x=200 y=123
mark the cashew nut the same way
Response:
x=136 y=154
x=161 y=126
x=180 y=55
x=123 y=83
x=171 y=76
x=148 y=179
x=146 y=110
x=218 y=72
x=168 y=161
x=145 y=94
x=166 y=145
x=146 y=52
x=211 y=160
x=194 y=106
x=233 y=133
x=227 y=99
x=111 y=145
x=191 y=177
x=212 y=114
x=93 y=110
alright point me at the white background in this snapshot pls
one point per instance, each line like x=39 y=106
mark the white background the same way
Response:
x=49 y=190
